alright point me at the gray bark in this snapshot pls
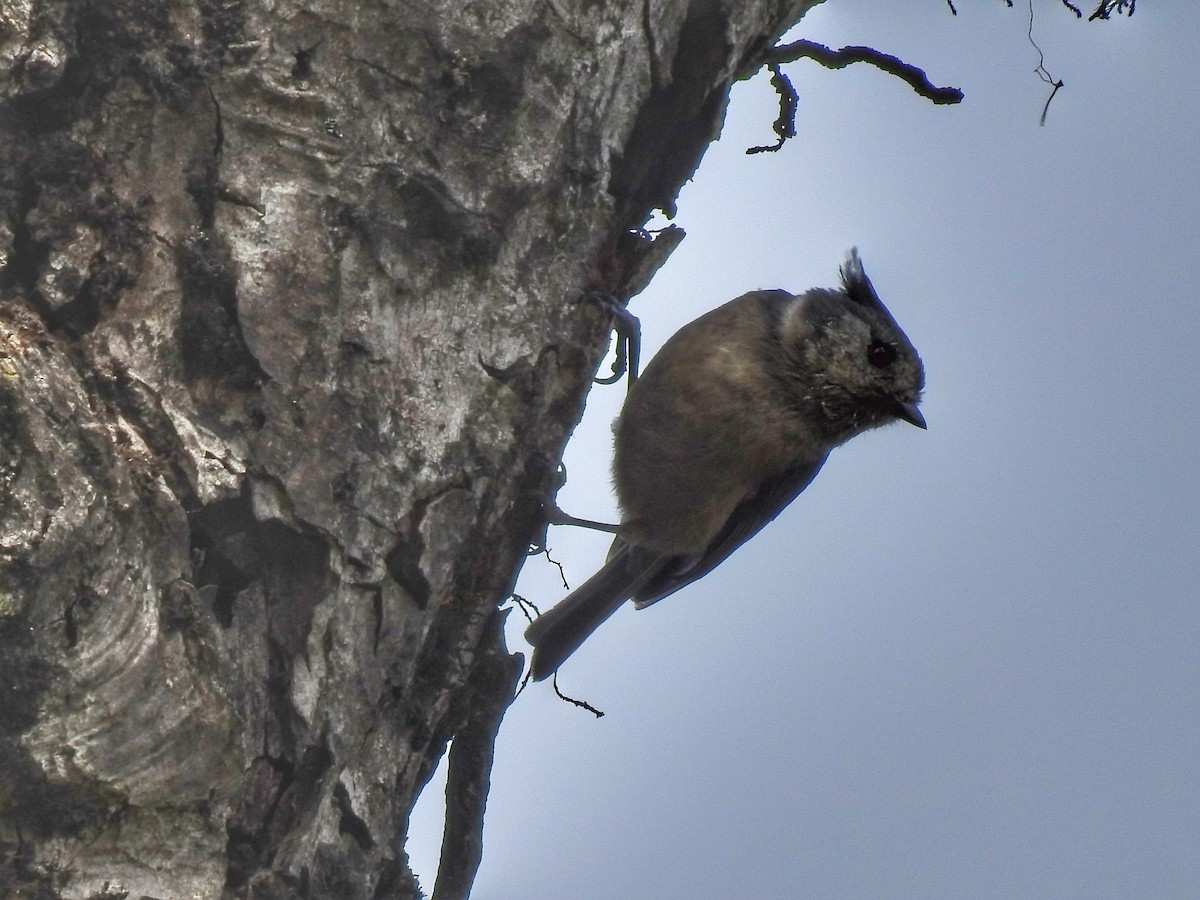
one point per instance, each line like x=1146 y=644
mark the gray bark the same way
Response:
x=289 y=349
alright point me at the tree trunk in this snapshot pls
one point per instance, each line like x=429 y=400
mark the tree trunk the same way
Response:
x=290 y=344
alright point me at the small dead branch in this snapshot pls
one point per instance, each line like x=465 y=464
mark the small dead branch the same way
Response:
x=839 y=59
x=582 y=704
x=1041 y=70
x=1108 y=7
x=1104 y=10
x=789 y=101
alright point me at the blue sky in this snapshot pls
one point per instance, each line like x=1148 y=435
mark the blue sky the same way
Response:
x=965 y=663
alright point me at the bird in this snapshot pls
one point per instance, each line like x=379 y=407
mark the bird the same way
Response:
x=728 y=424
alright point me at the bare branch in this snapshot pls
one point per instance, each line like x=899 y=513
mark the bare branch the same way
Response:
x=838 y=59
x=785 y=124
x=1104 y=10
x=582 y=704
x=1107 y=7
x=1041 y=71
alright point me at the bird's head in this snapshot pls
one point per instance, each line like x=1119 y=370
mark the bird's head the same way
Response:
x=849 y=365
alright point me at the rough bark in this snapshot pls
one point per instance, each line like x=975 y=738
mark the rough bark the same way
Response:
x=290 y=344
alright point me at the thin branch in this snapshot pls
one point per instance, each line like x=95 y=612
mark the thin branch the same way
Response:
x=1041 y=71
x=1104 y=10
x=582 y=704
x=839 y=59
x=789 y=102
x=543 y=550
x=525 y=606
x=1108 y=7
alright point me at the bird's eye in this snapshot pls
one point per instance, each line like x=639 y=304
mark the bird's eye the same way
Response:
x=881 y=355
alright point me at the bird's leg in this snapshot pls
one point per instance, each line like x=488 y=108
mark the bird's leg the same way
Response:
x=553 y=514
x=629 y=337
x=556 y=516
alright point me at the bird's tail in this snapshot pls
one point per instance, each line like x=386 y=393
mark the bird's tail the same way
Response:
x=557 y=634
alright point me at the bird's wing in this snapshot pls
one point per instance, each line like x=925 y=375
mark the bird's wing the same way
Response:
x=746 y=520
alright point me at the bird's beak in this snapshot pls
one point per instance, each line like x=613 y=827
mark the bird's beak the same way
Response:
x=909 y=413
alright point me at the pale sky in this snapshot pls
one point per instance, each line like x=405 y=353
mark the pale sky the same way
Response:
x=965 y=663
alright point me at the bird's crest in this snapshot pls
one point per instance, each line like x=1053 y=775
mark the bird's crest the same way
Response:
x=857 y=285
